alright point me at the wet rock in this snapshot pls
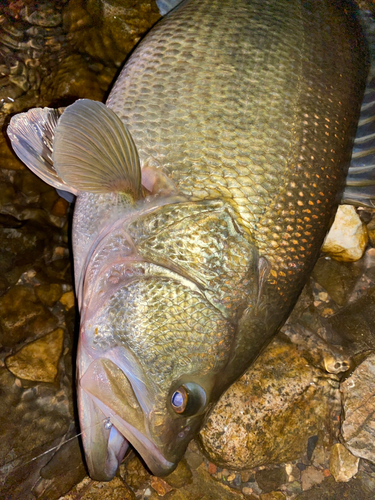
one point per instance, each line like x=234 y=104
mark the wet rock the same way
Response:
x=34 y=421
x=202 y=487
x=38 y=360
x=343 y=465
x=353 y=327
x=294 y=474
x=347 y=238
x=338 y=278
x=134 y=474
x=317 y=350
x=358 y=428
x=160 y=486
x=271 y=479
x=270 y=413
x=329 y=489
x=193 y=458
x=68 y=300
x=274 y=495
x=371 y=231
x=94 y=490
x=311 y=476
x=22 y=315
x=48 y=294
x=180 y=476
x=63 y=471
x=107 y=30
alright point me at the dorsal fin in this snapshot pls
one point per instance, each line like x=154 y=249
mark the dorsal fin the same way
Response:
x=93 y=151
x=31 y=135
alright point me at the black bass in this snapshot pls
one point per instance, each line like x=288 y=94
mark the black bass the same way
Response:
x=204 y=190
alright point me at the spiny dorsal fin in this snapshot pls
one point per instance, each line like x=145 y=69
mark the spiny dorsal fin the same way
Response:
x=93 y=151
x=31 y=135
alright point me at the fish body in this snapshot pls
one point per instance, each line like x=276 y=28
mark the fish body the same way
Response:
x=204 y=191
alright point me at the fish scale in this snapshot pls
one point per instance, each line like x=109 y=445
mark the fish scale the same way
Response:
x=242 y=123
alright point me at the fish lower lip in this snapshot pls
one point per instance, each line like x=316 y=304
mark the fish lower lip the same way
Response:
x=156 y=462
x=108 y=399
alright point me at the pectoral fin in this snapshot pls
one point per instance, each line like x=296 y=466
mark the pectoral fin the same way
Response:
x=93 y=150
x=85 y=148
x=32 y=135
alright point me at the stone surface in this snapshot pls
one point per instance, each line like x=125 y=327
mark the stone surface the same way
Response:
x=329 y=489
x=353 y=327
x=338 y=278
x=343 y=465
x=68 y=300
x=22 y=315
x=348 y=237
x=270 y=413
x=38 y=361
x=274 y=495
x=311 y=476
x=271 y=479
x=358 y=428
x=202 y=487
x=160 y=486
x=48 y=294
x=180 y=476
x=94 y=490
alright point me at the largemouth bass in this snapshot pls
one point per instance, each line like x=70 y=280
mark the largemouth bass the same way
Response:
x=204 y=189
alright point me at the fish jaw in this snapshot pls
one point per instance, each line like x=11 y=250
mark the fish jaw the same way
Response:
x=116 y=408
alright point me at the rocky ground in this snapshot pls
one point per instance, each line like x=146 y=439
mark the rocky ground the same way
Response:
x=299 y=424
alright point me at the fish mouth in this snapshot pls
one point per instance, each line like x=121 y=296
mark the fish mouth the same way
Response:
x=107 y=405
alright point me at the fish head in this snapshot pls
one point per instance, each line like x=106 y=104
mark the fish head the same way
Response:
x=151 y=359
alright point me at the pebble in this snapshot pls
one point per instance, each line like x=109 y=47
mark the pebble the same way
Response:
x=68 y=300
x=160 y=486
x=343 y=465
x=38 y=360
x=48 y=294
x=348 y=236
x=311 y=476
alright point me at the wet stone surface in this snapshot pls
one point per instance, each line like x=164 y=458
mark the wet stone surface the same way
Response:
x=300 y=403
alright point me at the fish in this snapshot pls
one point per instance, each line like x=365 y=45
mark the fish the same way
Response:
x=204 y=189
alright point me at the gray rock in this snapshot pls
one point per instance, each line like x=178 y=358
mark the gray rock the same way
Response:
x=358 y=428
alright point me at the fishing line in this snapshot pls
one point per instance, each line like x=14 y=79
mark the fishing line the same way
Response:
x=105 y=421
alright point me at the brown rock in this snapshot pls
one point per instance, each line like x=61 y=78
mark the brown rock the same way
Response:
x=270 y=413
x=203 y=486
x=160 y=486
x=358 y=428
x=60 y=208
x=67 y=300
x=22 y=315
x=273 y=495
x=180 y=476
x=48 y=294
x=94 y=490
x=343 y=465
x=38 y=360
x=311 y=476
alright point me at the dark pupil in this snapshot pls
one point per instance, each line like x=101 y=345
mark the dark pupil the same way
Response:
x=177 y=399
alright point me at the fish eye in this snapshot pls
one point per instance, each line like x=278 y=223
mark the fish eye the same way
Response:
x=179 y=400
x=188 y=399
